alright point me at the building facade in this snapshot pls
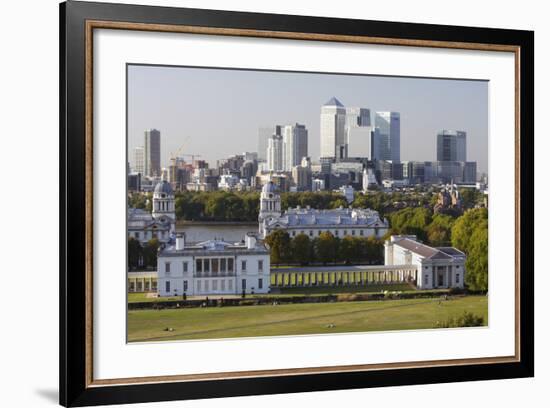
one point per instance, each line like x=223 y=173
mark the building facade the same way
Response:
x=139 y=160
x=441 y=267
x=386 y=136
x=451 y=146
x=152 y=153
x=358 y=132
x=339 y=222
x=294 y=145
x=275 y=153
x=213 y=267
x=333 y=123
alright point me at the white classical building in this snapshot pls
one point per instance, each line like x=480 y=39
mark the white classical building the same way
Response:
x=161 y=223
x=441 y=267
x=340 y=222
x=213 y=267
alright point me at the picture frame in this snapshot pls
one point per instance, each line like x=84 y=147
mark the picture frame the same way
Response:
x=78 y=20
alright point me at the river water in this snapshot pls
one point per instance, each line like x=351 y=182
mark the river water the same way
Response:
x=227 y=232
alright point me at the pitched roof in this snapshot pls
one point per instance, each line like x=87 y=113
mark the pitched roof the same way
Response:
x=334 y=102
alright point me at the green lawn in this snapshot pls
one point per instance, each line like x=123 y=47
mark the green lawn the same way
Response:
x=294 y=319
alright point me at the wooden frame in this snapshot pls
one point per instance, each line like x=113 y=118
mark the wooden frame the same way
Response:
x=77 y=385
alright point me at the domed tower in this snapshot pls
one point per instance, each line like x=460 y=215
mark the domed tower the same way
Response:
x=164 y=209
x=270 y=204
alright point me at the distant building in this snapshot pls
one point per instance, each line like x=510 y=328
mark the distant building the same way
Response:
x=213 y=267
x=333 y=122
x=369 y=180
x=134 y=182
x=161 y=223
x=264 y=133
x=386 y=136
x=340 y=222
x=275 y=153
x=152 y=153
x=139 y=160
x=358 y=132
x=436 y=267
x=295 y=142
x=451 y=146
x=301 y=175
x=348 y=193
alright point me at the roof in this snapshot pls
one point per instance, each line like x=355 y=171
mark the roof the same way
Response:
x=294 y=217
x=334 y=102
x=428 y=251
x=215 y=247
x=163 y=187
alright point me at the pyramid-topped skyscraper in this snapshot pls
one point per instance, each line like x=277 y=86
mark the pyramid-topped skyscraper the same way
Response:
x=333 y=122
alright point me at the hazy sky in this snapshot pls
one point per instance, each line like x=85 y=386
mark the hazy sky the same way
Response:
x=217 y=112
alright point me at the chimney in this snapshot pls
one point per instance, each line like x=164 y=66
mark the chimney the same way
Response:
x=250 y=241
x=180 y=242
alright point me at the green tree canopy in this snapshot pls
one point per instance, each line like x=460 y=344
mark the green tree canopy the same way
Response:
x=301 y=249
x=279 y=245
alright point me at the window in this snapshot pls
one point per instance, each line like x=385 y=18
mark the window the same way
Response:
x=345 y=232
x=185 y=267
x=136 y=235
x=132 y=287
x=167 y=267
x=223 y=285
x=260 y=266
x=310 y=233
x=230 y=265
x=230 y=285
x=222 y=264
x=425 y=279
x=293 y=233
x=167 y=287
x=199 y=265
x=352 y=232
x=206 y=285
x=319 y=232
x=215 y=284
x=185 y=286
x=457 y=278
x=199 y=284
x=206 y=265
x=215 y=265
x=361 y=232
x=260 y=283
x=243 y=284
x=336 y=232
x=243 y=266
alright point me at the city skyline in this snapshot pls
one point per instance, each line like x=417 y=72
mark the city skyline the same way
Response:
x=241 y=102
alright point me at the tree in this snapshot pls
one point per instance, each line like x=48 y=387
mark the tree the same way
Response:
x=134 y=253
x=301 y=249
x=150 y=252
x=412 y=221
x=439 y=230
x=348 y=249
x=465 y=225
x=326 y=248
x=279 y=245
x=470 y=234
x=477 y=264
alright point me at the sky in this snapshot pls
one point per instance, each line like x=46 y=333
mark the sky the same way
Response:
x=217 y=112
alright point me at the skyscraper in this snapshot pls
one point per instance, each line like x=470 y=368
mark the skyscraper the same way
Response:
x=152 y=153
x=275 y=153
x=139 y=160
x=358 y=132
x=295 y=145
x=264 y=133
x=386 y=136
x=333 y=122
x=451 y=146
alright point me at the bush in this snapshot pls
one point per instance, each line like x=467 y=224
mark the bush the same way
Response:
x=467 y=319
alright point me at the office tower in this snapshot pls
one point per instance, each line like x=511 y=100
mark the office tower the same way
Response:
x=139 y=160
x=358 y=132
x=295 y=145
x=264 y=133
x=333 y=122
x=152 y=153
x=451 y=146
x=386 y=136
x=275 y=153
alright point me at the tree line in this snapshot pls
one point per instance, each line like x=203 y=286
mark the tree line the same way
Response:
x=324 y=249
x=142 y=256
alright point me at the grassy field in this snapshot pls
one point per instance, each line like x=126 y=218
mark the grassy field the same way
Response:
x=294 y=319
